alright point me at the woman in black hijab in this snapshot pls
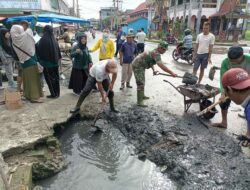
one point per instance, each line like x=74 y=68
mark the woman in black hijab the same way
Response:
x=81 y=62
x=49 y=55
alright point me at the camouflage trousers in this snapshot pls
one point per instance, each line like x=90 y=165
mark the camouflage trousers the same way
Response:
x=139 y=73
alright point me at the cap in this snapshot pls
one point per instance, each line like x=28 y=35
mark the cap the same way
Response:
x=130 y=35
x=163 y=44
x=236 y=78
x=235 y=52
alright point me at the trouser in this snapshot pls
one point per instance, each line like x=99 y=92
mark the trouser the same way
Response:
x=139 y=73
x=52 y=79
x=9 y=71
x=118 y=46
x=91 y=82
x=126 y=72
x=225 y=105
x=1 y=78
x=140 y=47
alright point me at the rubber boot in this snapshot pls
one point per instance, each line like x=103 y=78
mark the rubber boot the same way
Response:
x=112 y=106
x=140 y=95
x=19 y=84
x=76 y=109
x=145 y=97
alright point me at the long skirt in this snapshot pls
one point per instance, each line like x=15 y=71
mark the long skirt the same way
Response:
x=52 y=79
x=78 y=80
x=32 y=89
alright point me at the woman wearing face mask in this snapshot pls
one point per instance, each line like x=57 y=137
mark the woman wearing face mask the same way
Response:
x=81 y=63
x=49 y=55
x=24 y=46
x=106 y=46
x=7 y=55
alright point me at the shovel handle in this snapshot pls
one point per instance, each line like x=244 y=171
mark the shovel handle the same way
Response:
x=168 y=75
x=211 y=107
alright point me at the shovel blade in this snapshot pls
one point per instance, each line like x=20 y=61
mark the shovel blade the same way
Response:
x=212 y=73
x=189 y=78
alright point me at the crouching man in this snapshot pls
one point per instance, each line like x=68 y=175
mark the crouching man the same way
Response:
x=236 y=83
x=99 y=73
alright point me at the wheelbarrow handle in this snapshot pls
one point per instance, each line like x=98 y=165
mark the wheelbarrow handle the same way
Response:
x=168 y=75
x=211 y=107
x=173 y=86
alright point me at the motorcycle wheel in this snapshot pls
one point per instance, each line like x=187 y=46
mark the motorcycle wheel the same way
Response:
x=175 y=55
x=190 y=59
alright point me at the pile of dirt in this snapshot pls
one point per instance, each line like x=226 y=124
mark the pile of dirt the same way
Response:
x=191 y=155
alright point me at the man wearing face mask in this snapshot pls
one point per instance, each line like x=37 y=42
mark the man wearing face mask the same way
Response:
x=106 y=46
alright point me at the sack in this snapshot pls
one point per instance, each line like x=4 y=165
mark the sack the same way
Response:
x=40 y=68
x=12 y=99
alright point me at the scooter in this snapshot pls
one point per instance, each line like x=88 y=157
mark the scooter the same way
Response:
x=182 y=53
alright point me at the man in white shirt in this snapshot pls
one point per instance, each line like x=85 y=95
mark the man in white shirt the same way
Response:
x=204 y=47
x=140 y=36
x=99 y=73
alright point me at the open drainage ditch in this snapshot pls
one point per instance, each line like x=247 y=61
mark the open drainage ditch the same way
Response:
x=144 y=149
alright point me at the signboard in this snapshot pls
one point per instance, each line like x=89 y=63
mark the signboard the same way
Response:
x=20 y=4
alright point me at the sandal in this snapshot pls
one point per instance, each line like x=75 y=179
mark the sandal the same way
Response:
x=36 y=101
x=218 y=125
x=244 y=140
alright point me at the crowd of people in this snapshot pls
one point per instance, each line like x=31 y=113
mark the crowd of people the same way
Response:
x=36 y=59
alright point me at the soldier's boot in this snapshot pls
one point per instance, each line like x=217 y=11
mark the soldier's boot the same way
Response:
x=145 y=97
x=140 y=95
x=111 y=102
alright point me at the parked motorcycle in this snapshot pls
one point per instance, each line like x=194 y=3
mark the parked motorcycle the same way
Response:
x=181 y=53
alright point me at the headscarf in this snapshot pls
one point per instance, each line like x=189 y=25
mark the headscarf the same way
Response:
x=48 y=48
x=4 y=42
x=79 y=38
x=105 y=39
x=24 y=40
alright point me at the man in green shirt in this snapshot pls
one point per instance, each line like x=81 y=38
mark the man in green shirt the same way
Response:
x=147 y=60
x=235 y=59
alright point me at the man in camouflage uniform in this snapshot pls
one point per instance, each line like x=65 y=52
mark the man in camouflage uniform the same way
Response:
x=147 y=60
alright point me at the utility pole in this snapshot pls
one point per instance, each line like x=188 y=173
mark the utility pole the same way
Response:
x=190 y=13
x=73 y=7
x=77 y=9
x=198 y=24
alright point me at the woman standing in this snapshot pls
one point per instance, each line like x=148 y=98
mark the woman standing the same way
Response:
x=106 y=46
x=24 y=46
x=49 y=55
x=81 y=62
x=7 y=55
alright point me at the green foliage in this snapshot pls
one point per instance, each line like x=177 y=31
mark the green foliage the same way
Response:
x=161 y=35
x=247 y=35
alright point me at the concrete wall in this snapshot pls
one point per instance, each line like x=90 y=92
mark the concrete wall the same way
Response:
x=138 y=24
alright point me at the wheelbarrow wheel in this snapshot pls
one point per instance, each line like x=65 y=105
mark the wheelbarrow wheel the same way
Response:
x=203 y=105
x=175 y=55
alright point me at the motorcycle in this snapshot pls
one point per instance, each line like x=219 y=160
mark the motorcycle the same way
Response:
x=171 y=39
x=181 y=53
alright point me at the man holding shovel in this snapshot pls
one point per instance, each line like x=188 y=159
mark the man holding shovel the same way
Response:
x=99 y=73
x=235 y=59
x=147 y=60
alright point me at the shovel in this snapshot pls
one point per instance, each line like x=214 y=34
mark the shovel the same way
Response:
x=209 y=108
x=98 y=129
x=212 y=72
x=187 y=78
x=62 y=75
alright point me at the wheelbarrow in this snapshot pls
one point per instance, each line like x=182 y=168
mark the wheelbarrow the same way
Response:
x=198 y=93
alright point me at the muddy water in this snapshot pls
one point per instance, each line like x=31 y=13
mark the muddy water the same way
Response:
x=103 y=161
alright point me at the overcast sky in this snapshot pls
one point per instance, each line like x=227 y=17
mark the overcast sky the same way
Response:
x=90 y=8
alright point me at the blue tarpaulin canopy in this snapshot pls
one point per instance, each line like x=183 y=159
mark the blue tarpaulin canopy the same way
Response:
x=50 y=17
